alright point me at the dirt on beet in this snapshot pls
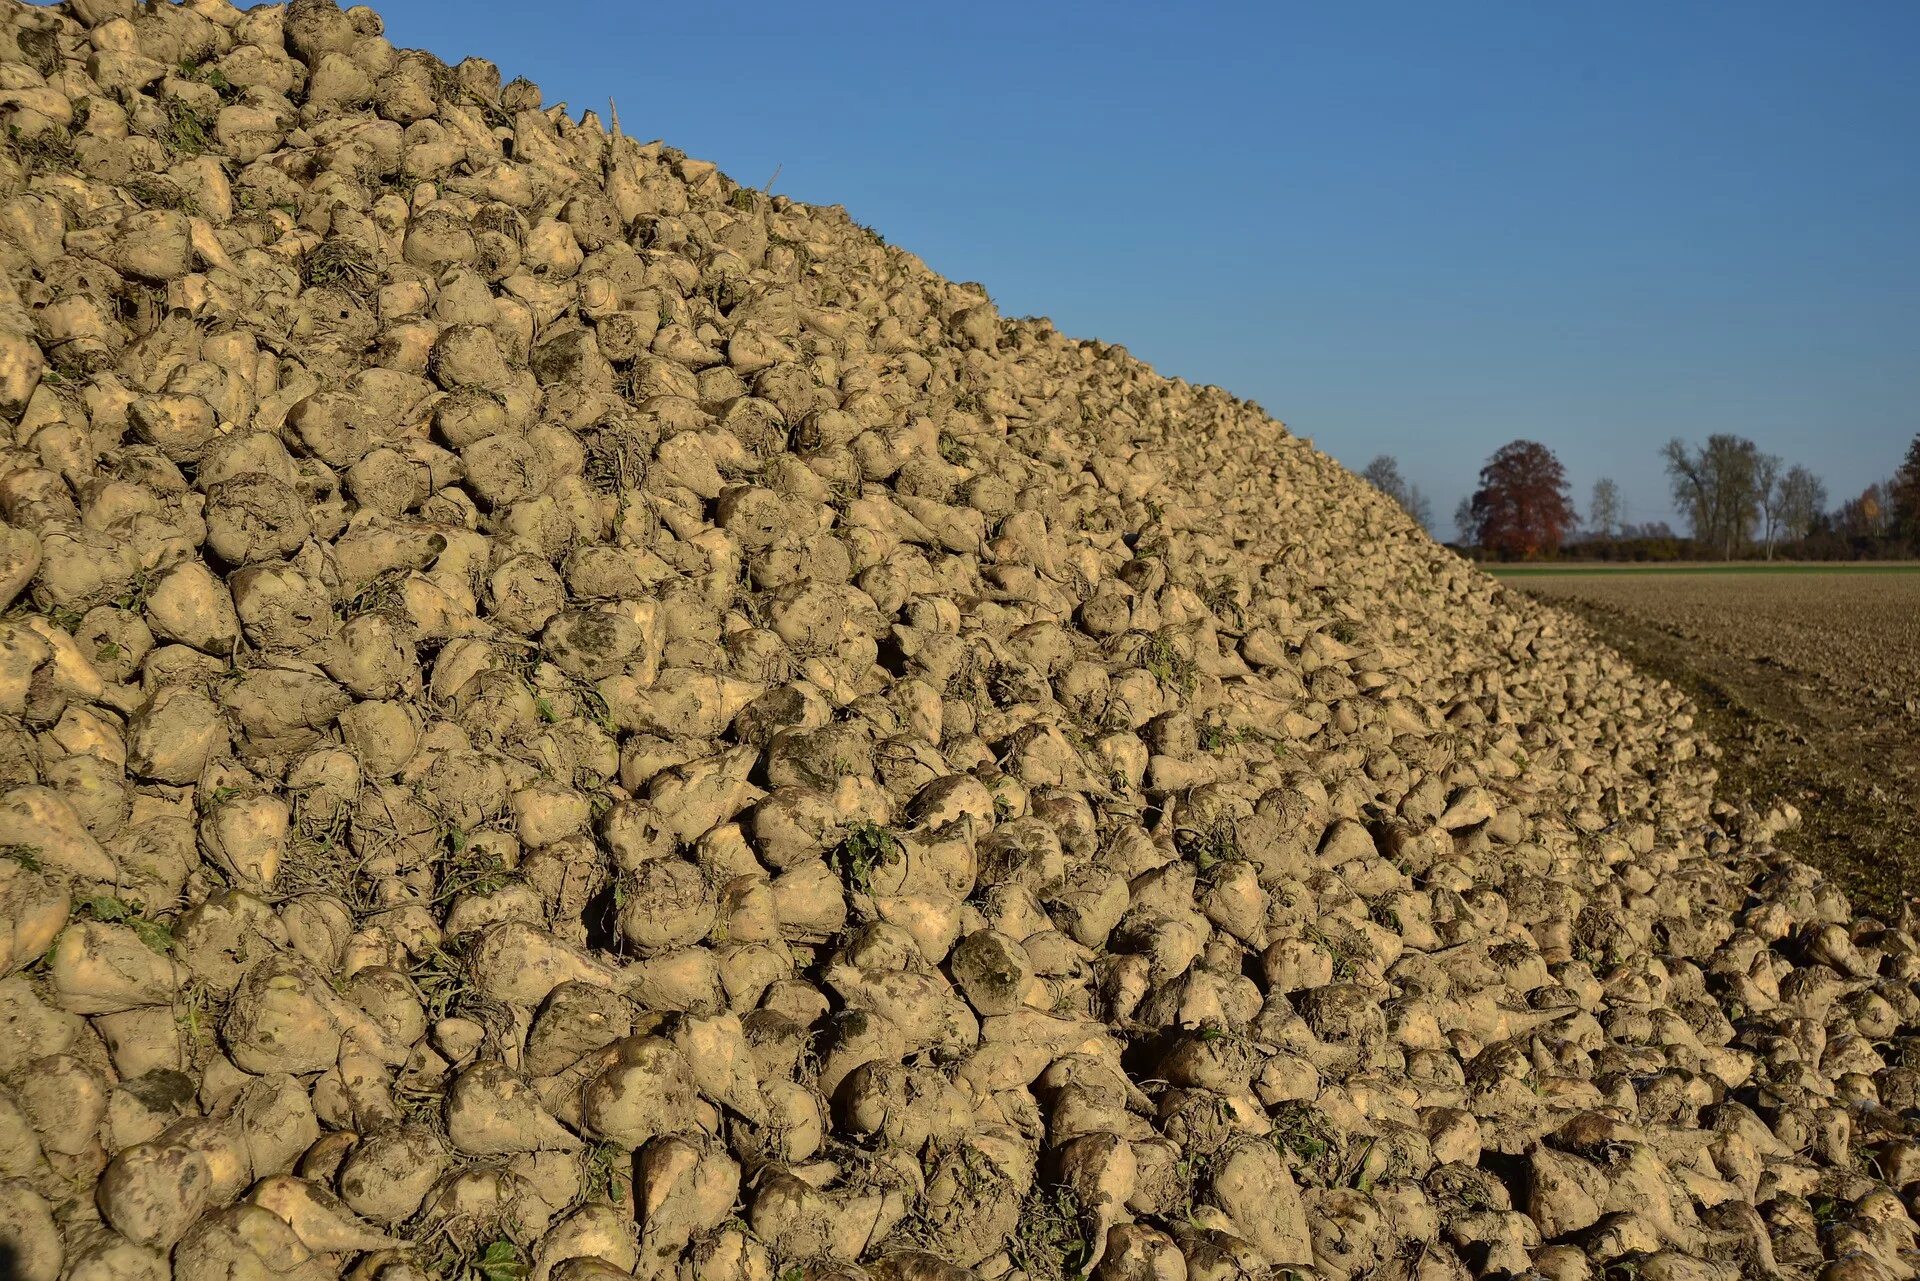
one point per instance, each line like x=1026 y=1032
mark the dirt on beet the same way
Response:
x=563 y=718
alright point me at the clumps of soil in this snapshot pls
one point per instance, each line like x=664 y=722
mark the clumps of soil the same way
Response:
x=562 y=718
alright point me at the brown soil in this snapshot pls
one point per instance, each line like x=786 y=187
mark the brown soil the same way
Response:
x=1806 y=683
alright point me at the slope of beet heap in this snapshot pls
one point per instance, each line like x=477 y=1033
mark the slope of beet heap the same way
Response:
x=563 y=717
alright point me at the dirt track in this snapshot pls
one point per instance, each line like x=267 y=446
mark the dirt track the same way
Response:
x=1809 y=681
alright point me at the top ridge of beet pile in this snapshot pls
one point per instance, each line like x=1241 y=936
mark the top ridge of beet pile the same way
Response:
x=563 y=718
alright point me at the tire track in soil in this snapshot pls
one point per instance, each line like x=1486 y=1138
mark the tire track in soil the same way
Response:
x=1851 y=769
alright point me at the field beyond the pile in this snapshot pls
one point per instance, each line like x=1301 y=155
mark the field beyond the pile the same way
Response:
x=1808 y=676
x=1763 y=569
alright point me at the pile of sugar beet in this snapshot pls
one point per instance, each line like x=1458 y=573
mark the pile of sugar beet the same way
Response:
x=561 y=717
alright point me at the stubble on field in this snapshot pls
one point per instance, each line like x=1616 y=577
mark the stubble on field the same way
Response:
x=1811 y=684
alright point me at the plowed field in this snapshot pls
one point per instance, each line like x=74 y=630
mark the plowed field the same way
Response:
x=1810 y=680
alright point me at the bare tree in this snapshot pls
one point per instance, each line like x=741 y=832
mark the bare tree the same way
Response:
x=1603 y=510
x=1383 y=473
x=1420 y=507
x=1803 y=497
x=1714 y=484
x=1465 y=524
x=1766 y=495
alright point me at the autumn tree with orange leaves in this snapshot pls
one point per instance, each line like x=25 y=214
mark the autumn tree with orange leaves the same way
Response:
x=1522 y=509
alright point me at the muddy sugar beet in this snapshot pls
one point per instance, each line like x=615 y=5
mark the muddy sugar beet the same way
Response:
x=562 y=717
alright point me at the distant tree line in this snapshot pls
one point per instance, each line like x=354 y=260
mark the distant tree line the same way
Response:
x=1384 y=475
x=1738 y=499
x=1737 y=502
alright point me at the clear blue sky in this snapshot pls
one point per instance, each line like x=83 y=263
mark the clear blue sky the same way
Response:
x=1415 y=228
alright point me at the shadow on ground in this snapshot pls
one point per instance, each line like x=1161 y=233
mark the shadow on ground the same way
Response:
x=1850 y=765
